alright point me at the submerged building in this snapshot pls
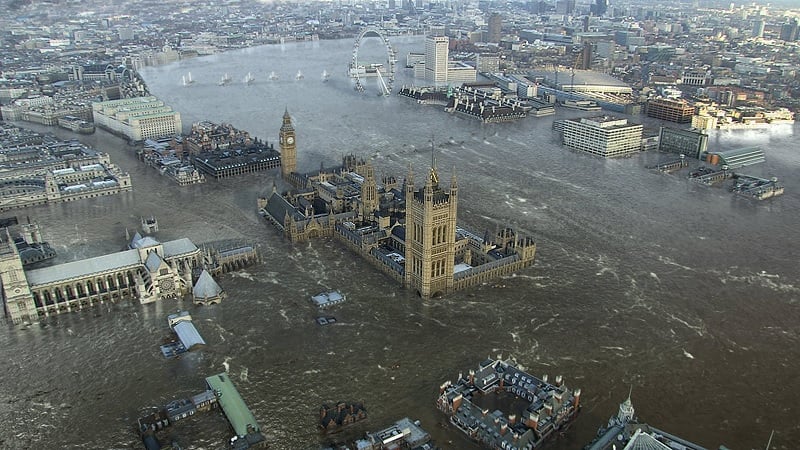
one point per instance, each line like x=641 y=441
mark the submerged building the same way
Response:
x=679 y=111
x=138 y=118
x=206 y=291
x=38 y=170
x=624 y=431
x=505 y=408
x=148 y=271
x=691 y=143
x=408 y=232
x=605 y=136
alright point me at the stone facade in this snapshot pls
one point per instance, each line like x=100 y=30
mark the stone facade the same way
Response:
x=149 y=271
x=410 y=235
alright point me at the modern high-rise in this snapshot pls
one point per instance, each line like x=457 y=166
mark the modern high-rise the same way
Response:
x=758 y=28
x=436 y=55
x=565 y=6
x=495 y=28
x=679 y=111
x=599 y=8
x=789 y=31
x=430 y=236
x=604 y=136
x=683 y=142
x=487 y=62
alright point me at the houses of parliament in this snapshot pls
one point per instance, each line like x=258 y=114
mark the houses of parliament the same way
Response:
x=409 y=231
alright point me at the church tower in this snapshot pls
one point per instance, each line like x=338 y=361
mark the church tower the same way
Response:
x=431 y=214
x=288 y=146
x=369 y=193
x=17 y=298
x=625 y=413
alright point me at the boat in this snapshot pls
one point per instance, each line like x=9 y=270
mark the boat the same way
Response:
x=273 y=76
x=187 y=79
x=299 y=75
x=225 y=80
x=249 y=78
x=325 y=75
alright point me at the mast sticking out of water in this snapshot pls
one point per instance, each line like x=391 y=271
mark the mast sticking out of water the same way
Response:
x=434 y=177
x=433 y=152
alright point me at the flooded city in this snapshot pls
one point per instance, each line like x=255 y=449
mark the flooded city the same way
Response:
x=683 y=294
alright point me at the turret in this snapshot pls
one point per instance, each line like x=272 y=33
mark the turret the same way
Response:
x=626 y=409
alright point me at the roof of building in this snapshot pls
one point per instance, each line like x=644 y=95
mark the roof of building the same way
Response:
x=153 y=262
x=100 y=264
x=77 y=269
x=143 y=242
x=188 y=334
x=206 y=287
x=278 y=207
x=644 y=441
x=235 y=409
x=581 y=77
x=327 y=298
x=179 y=247
x=741 y=157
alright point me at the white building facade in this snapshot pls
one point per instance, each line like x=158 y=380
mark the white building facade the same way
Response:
x=436 y=55
x=138 y=118
x=604 y=136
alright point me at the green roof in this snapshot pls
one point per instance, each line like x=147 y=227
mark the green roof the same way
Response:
x=237 y=412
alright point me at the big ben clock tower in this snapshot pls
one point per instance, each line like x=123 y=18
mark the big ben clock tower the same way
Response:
x=288 y=146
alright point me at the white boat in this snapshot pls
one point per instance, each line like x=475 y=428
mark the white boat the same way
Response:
x=225 y=80
x=273 y=76
x=299 y=75
x=249 y=78
x=187 y=79
x=325 y=75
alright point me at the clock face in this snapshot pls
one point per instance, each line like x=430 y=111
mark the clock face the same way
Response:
x=290 y=140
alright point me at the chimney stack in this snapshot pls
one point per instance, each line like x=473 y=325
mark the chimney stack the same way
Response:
x=532 y=421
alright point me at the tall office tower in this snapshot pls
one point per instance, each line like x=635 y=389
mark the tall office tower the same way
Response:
x=495 y=28
x=599 y=8
x=789 y=31
x=758 y=28
x=565 y=6
x=587 y=55
x=436 y=53
x=430 y=235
